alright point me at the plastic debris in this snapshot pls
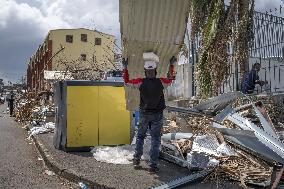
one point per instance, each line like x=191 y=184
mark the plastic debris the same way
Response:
x=114 y=155
x=83 y=186
x=48 y=127
x=48 y=172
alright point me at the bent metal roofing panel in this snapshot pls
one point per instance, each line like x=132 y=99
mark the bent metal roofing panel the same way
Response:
x=151 y=25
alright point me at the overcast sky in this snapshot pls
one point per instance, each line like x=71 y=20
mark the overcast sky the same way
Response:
x=25 y=23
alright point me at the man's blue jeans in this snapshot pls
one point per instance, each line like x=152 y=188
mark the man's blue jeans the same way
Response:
x=154 y=122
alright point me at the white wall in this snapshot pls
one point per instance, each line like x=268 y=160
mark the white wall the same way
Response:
x=274 y=74
x=181 y=88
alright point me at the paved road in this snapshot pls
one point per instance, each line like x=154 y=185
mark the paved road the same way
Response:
x=19 y=163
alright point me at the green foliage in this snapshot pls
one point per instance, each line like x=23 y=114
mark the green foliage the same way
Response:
x=218 y=27
x=204 y=70
x=198 y=12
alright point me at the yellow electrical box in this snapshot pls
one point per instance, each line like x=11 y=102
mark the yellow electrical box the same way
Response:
x=90 y=114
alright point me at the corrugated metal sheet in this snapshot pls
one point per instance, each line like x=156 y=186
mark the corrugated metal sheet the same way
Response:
x=151 y=25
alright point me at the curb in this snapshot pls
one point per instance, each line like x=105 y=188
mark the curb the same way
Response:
x=58 y=169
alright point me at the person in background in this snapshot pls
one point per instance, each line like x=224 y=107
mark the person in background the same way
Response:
x=11 y=103
x=152 y=104
x=251 y=79
x=2 y=99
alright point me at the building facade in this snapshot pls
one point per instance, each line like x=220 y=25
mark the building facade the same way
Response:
x=70 y=50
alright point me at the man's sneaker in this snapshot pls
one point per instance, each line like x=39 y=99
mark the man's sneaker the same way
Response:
x=153 y=170
x=136 y=163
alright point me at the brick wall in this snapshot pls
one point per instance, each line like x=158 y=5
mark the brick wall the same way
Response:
x=38 y=63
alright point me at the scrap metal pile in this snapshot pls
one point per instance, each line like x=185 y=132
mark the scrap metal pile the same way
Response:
x=232 y=136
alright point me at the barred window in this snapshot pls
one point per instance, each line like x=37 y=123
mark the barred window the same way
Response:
x=69 y=38
x=98 y=41
x=84 y=38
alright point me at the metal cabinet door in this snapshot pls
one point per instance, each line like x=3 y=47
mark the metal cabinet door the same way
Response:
x=82 y=116
x=114 y=119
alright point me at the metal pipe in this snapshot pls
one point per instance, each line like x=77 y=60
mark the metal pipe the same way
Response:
x=193 y=69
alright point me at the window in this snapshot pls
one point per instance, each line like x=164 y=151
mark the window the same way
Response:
x=83 y=57
x=84 y=37
x=69 y=38
x=98 y=41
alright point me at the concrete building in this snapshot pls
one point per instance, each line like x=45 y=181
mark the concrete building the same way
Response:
x=72 y=50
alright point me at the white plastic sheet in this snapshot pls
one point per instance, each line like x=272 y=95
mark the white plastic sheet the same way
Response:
x=48 y=127
x=114 y=155
x=120 y=154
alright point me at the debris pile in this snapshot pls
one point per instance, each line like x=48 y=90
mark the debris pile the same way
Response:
x=273 y=104
x=232 y=134
x=31 y=109
x=24 y=107
x=247 y=169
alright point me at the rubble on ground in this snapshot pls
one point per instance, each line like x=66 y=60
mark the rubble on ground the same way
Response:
x=217 y=139
x=34 y=110
x=24 y=105
x=247 y=169
x=234 y=137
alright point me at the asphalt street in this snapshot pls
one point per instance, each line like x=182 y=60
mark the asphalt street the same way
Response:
x=22 y=167
x=20 y=164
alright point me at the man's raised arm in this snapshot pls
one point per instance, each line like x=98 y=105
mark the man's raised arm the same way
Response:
x=133 y=82
x=168 y=81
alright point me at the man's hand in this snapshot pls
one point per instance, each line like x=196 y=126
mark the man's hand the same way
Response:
x=125 y=63
x=170 y=74
x=173 y=60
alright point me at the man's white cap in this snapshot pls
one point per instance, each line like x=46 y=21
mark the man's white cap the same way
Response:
x=150 y=65
x=151 y=60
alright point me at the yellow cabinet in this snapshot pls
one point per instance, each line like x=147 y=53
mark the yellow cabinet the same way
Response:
x=90 y=114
